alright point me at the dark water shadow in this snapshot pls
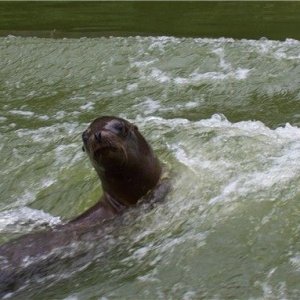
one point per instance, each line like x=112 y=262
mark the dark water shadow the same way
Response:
x=251 y=20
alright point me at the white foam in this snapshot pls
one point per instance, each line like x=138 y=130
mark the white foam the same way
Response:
x=96 y=93
x=148 y=106
x=22 y=113
x=76 y=97
x=223 y=64
x=47 y=182
x=295 y=261
x=171 y=123
x=26 y=197
x=189 y=295
x=196 y=78
x=241 y=74
x=25 y=219
x=142 y=64
x=88 y=106
x=64 y=154
x=132 y=87
x=159 y=76
x=190 y=104
x=46 y=133
x=213 y=42
x=60 y=115
x=248 y=128
x=72 y=297
x=271 y=291
x=265 y=171
x=161 y=41
x=44 y=118
x=141 y=252
x=30 y=192
x=117 y=92
x=150 y=277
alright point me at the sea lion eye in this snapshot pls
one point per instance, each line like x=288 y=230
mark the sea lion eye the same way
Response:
x=121 y=128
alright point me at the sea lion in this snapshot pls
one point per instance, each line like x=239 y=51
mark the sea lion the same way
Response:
x=125 y=163
x=129 y=172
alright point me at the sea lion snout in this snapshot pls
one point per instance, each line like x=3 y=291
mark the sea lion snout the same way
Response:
x=98 y=136
x=86 y=135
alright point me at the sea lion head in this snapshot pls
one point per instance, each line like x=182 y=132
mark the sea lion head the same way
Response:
x=122 y=158
x=105 y=142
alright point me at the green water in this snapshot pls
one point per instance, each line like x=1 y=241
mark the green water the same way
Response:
x=222 y=114
x=237 y=19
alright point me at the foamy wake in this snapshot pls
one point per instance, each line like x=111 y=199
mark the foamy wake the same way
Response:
x=25 y=219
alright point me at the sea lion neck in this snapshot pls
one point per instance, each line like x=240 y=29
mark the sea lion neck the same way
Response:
x=129 y=183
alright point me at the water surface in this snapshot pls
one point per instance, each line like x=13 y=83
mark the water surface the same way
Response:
x=223 y=114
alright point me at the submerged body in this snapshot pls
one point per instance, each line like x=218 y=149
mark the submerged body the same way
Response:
x=129 y=172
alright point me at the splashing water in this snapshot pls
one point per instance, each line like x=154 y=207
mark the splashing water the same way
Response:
x=221 y=113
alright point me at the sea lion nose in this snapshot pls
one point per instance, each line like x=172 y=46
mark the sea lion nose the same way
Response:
x=98 y=136
x=85 y=136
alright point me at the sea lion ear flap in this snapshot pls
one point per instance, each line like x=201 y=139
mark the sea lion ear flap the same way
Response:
x=135 y=127
x=83 y=149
